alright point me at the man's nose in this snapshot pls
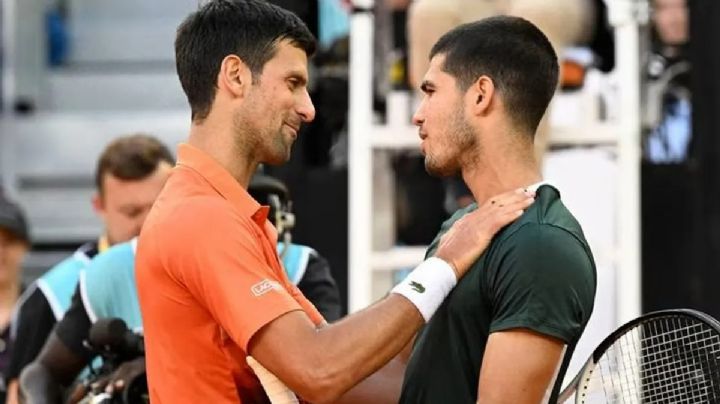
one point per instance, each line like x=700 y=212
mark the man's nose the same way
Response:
x=418 y=117
x=306 y=109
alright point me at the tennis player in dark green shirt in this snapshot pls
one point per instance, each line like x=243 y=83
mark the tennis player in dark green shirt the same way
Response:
x=537 y=276
x=505 y=334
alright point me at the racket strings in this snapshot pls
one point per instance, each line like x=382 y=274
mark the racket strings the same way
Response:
x=681 y=362
x=665 y=360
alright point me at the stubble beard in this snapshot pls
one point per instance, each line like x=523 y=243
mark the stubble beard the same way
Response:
x=460 y=141
x=263 y=144
x=280 y=146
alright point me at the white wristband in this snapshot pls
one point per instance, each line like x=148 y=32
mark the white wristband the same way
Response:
x=428 y=285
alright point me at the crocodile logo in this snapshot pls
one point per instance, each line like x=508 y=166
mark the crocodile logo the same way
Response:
x=417 y=287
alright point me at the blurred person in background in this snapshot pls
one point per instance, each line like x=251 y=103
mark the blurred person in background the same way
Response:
x=668 y=101
x=130 y=173
x=670 y=169
x=14 y=244
x=304 y=266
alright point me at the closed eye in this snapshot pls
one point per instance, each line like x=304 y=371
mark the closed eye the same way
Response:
x=427 y=88
x=296 y=81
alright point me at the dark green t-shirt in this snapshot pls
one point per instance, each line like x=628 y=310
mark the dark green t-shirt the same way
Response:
x=538 y=273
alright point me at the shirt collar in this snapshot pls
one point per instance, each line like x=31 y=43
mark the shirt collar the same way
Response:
x=534 y=187
x=220 y=179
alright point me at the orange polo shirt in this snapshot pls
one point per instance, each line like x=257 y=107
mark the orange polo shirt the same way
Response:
x=208 y=279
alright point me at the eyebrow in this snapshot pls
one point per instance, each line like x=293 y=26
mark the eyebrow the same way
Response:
x=133 y=206
x=427 y=85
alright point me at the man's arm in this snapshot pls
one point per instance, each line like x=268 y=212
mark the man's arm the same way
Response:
x=57 y=366
x=542 y=290
x=519 y=367
x=322 y=364
x=62 y=358
x=31 y=327
x=382 y=387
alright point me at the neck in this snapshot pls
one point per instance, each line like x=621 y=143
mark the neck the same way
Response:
x=9 y=293
x=502 y=167
x=217 y=140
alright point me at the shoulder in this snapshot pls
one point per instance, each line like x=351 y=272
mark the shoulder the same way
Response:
x=534 y=235
x=31 y=300
x=546 y=223
x=545 y=256
x=57 y=284
x=194 y=224
x=117 y=262
x=296 y=258
x=195 y=233
x=543 y=242
x=297 y=249
x=196 y=213
x=117 y=254
x=70 y=265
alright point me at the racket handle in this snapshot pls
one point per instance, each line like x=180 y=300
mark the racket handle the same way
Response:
x=276 y=390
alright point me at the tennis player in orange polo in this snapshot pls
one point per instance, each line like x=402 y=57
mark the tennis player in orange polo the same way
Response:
x=211 y=287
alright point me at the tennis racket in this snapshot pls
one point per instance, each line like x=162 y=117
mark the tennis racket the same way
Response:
x=275 y=389
x=669 y=356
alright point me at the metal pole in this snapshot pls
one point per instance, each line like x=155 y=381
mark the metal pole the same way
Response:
x=627 y=16
x=360 y=157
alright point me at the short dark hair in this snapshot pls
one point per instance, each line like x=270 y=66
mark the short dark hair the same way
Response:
x=132 y=157
x=249 y=29
x=514 y=53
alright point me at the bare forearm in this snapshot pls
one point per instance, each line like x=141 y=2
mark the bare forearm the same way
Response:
x=37 y=386
x=322 y=364
x=383 y=386
x=362 y=343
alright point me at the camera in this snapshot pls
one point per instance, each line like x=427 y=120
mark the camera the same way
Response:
x=115 y=344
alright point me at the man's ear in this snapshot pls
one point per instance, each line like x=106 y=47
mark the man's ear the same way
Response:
x=234 y=76
x=481 y=93
x=98 y=204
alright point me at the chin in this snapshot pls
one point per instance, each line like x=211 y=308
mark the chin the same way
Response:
x=438 y=170
x=278 y=159
x=275 y=162
x=434 y=170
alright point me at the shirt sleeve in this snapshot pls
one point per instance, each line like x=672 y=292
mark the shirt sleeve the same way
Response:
x=230 y=272
x=33 y=324
x=543 y=280
x=318 y=286
x=74 y=328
